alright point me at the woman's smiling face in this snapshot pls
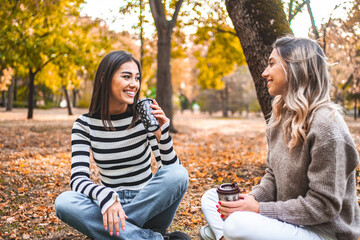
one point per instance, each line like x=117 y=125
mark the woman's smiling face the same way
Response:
x=275 y=75
x=124 y=86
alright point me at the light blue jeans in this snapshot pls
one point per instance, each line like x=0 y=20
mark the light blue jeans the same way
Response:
x=150 y=210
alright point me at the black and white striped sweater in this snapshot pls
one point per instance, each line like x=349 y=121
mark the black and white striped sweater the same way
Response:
x=123 y=156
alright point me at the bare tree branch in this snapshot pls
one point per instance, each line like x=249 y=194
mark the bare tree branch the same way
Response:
x=296 y=11
x=47 y=62
x=327 y=25
x=158 y=13
x=220 y=30
x=176 y=13
x=314 y=29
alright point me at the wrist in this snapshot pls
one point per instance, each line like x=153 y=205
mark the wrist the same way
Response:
x=252 y=196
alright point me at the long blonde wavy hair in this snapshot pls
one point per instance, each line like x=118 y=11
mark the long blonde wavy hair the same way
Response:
x=306 y=71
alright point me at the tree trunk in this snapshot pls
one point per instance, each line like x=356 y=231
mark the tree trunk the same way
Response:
x=141 y=34
x=163 y=84
x=164 y=30
x=355 y=107
x=31 y=94
x=9 y=103
x=258 y=23
x=75 y=93
x=3 y=99
x=15 y=88
x=225 y=100
x=68 y=104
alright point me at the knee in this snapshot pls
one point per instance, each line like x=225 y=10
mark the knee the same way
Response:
x=239 y=225
x=63 y=203
x=209 y=199
x=178 y=176
x=231 y=226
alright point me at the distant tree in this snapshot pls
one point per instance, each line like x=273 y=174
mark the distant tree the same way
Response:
x=6 y=84
x=52 y=43
x=343 y=41
x=296 y=6
x=164 y=29
x=36 y=32
x=221 y=51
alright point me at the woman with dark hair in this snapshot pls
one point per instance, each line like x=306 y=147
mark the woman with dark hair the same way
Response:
x=130 y=197
x=309 y=188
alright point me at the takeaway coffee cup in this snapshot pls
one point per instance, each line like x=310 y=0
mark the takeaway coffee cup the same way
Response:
x=151 y=124
x=228 y=192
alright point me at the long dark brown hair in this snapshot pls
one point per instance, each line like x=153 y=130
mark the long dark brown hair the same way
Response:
x=99 y=105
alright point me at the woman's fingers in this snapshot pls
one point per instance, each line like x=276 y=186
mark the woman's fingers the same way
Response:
x=227 y=211
x=227 y=208
x=111 y=224
x=122 y=220
x=116 y=223
x=158 y=112
x=105 y=221
x=155 y=102
x=246 y=203
x=114 y=216
x=160 y=116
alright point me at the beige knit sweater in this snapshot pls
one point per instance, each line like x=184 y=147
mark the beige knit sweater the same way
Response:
x=313 y=184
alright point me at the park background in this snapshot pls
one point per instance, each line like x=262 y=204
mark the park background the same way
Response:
x=204 y=71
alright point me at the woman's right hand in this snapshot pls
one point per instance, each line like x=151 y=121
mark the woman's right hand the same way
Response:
x=111 y=218
x=246 y=202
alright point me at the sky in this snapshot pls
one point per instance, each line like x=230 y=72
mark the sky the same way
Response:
x=108 y=11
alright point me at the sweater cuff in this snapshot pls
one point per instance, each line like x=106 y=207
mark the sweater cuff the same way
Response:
x=268 y=209
x=114 y=198
x=259 y=194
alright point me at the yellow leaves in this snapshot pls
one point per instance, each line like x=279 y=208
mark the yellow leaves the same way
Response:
x=223 y=53
x=192 y=179
x=196 y=220
x=200 y=174
x=22 y=190
x=49 y=76
x=256 y=180
x=5 y=78
x=186 y=214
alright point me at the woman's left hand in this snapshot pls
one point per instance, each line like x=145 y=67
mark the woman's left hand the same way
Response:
x=245 y=203
x=160 y=116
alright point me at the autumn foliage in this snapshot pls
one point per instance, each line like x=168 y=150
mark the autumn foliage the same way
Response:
x=35 y=167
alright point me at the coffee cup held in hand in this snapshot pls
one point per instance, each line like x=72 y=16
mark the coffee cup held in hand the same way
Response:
x=228 y=192
x=150 y=122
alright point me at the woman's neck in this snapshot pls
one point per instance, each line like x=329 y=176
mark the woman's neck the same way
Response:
x=117 y=109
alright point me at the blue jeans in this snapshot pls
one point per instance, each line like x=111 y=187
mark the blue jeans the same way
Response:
x=150 y=210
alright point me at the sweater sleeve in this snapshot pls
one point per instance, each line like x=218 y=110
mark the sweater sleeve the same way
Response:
x=331 y=165
x=80 y=168
x=163 y=151
x=266 y=190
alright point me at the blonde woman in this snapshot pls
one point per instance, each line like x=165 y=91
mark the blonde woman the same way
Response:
x=309 y=189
